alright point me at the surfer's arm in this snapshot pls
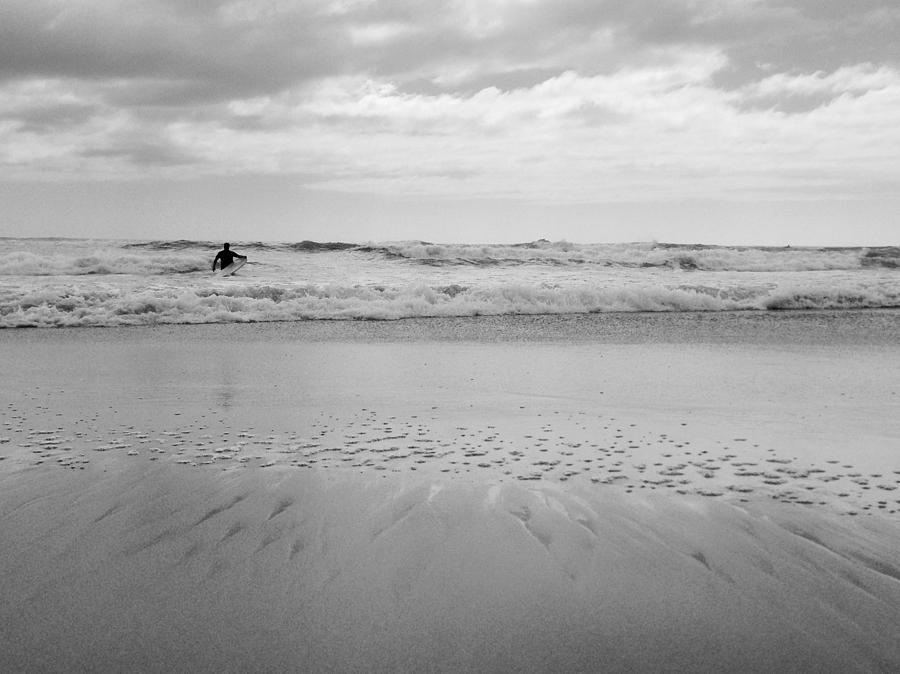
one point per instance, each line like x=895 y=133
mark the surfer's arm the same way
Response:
x=214 y=262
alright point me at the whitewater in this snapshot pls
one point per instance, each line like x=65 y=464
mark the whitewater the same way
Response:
x=90 y=282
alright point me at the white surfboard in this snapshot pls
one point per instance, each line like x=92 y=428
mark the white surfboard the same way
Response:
x=233 y=267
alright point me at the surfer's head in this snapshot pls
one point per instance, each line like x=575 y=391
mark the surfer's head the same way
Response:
x=226 y=246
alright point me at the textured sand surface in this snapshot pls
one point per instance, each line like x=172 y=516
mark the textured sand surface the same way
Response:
x=251 y=499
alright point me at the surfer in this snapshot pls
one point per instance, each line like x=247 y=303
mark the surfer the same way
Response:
x=225 y=257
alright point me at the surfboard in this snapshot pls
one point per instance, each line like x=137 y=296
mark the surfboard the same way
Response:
x=233 y=267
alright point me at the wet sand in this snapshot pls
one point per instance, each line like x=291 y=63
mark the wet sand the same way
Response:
x=549 y=494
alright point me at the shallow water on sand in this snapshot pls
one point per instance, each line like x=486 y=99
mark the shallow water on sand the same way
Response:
x=794 y=415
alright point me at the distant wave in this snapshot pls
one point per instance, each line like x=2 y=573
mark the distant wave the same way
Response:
x=22 y=263
x=638 y=255
x=68 y=306
x=144 y=258
x=177 y=244
x=885 y=256
x=300 y=246
x=184 y=256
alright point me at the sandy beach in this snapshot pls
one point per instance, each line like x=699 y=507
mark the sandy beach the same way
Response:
x=365 y=336
x=617 y=492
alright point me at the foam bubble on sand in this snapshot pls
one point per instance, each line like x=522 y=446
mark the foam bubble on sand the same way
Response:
x=574 y=446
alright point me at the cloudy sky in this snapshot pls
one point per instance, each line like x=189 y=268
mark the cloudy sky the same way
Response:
x=721 y=121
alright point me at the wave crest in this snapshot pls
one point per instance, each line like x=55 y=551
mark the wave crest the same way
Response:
x=62 y=306
x=637 y=255
x=23 y=263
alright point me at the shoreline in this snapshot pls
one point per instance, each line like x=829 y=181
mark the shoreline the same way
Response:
x=783 y=401
x=879 y=326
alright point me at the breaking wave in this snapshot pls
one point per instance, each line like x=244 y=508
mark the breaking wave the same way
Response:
x=643 y=255
x=102 y=262
x=300 y=246
x=258 y=303
x=80 y=282
x=187 y=256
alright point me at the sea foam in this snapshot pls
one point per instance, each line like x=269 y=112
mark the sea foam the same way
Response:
x=255 y=303
x=103 y=262
x=104 y=283
x=675 y=256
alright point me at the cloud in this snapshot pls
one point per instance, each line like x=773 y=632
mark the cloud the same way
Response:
x=142 y=154
x=537 y=99
x=237 y=49
x=855 y=79
x=167 y=42
x=217 y=50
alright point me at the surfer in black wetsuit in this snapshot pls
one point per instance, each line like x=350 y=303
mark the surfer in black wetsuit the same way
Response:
x=225 y=257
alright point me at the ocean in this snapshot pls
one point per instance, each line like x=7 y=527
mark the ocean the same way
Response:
x=91 y=282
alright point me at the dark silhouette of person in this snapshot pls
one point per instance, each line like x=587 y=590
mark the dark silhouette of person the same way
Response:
x=226 y=256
